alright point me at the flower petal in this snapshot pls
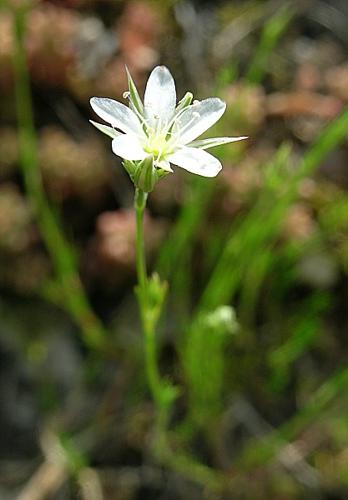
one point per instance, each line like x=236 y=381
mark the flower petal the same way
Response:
x=196 y=119
x=215 y=141
x=196 y=161
x=117 y=114
x=127 y=146
x=111 y=132
x=164 y=165
x=160 y=96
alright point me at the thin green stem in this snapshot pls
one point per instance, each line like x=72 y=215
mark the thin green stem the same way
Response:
x=150 y=296
x=147 y=318
x=62 y=255
x=151 y=365
x=139 y=205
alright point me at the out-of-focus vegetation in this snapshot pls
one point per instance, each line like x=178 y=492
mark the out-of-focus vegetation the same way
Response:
x=262 y=408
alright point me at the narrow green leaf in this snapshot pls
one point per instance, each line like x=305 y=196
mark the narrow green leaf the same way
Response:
x=271 y=34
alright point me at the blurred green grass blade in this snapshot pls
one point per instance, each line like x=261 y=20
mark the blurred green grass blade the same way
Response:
x=261 y=452
x=185 y=228
x=271 y=34
x=260 y=227
x=204 y=360
x=245 y=237
x=62 y=257
x=226 y=76
x=61 y=253
x=333 y=217
x=334 y=133
x=184 y=464
x=305 y=325
x=252 y=282
x=74 y=457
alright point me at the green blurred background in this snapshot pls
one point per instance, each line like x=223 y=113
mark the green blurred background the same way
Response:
x=262 y=410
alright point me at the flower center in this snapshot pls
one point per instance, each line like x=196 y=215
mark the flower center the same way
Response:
x=157 y=145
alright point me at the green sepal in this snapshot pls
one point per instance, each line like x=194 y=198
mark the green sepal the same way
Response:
x=185 y=101
x=145 y=175
x=130 y=167
x=110 y=131
x=162 y=173
x=134 y=98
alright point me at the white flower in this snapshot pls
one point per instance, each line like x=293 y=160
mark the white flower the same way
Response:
x=162 y=129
